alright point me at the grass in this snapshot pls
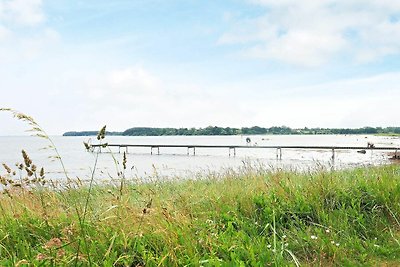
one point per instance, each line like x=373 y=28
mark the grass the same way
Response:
x=249 y=218
x=342 y=218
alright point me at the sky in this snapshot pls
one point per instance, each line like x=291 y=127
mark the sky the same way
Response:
x=78 y=65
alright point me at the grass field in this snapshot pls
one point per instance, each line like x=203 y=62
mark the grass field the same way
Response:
x=251 y=218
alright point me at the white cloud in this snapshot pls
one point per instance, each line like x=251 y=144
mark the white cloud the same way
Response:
x=21 y=12
x=24 y=34
x=311 y=33
x=3 y=33
x=122 y=85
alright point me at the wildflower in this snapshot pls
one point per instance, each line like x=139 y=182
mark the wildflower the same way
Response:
x=60 y=253
x=337 y=244
x=375 y=245
x=53 y=243
x=41 y=257
x=327 y=231
x=286 y=244
x=314 y=237
x=268 y=246
x=284 y=236
x=333 y=242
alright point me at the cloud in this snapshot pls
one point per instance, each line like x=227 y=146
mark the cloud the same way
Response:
x=21 y=12
x=311 y=33
x=24 y=34
x=122 y=85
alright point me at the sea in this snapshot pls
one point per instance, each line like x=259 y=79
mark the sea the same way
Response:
x=175 y=162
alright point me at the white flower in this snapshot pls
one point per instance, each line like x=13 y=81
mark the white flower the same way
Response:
x=332 y=242
x=268 y=246
x=375 y=245
x=327 y=231
x=286 y=244
x=314 y=237
x=284 y=236
x=337 y=244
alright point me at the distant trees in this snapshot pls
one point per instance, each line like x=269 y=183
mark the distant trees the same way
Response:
x=214 y=130
x=89 y=133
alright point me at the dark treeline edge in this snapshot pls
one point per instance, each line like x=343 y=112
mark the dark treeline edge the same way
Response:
x=214 y=130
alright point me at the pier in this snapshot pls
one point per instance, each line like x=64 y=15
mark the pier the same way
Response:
x=232 y=148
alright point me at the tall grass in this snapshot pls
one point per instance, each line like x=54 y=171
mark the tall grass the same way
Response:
x=253 y=217
x=341 y=218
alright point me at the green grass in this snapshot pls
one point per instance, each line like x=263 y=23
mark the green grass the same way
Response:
x=258 y=218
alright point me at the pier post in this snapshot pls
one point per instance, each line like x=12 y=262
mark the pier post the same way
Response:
x=279 y=153
x=151 y=150
x=126 y=149
x=158 y=150
x=119 y=149
x=188 y=151
x=234 y=151
x=333 y=157
x=194 y=151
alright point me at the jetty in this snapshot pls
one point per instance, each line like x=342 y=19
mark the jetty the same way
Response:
x=191 y=149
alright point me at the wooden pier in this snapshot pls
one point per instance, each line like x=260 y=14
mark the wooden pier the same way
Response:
x=232 y=148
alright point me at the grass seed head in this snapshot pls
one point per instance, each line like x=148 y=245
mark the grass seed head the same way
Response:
x=27 y=160
x=124 y=161
x=87 y=146
x=8 y=169
x=102 y=133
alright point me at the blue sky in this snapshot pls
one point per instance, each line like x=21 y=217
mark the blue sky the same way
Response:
x=77 y=65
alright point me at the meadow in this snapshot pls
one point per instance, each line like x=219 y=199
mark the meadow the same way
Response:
x=252 y=218
x=245 y=217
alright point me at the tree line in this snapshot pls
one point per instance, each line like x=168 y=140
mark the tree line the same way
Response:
x=214 y=130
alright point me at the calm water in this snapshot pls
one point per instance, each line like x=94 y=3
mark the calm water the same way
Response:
x=175 y=162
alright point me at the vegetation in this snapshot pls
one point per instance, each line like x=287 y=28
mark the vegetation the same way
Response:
x=148 y=131
x=250 y=217
x=254 y=218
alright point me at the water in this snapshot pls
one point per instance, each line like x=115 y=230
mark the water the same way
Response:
x=175 y=161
